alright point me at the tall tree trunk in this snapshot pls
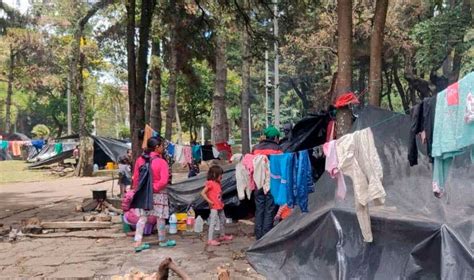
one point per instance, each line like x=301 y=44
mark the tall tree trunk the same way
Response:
x=148 y=102
x=376 y=47
x=245 y=94
x=155 y=110
x=8 y=102
x=170 y=114
x=146 y=16
x=132 y=78
x=344 y=65
x=220 y=131
x=178 y=125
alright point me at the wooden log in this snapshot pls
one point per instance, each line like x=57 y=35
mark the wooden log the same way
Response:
x=166 y=265
x=112 y=208
x=75 y=225
x=223 y=274
x=74 y=235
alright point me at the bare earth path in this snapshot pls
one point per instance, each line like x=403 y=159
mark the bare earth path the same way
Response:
x=110 y=251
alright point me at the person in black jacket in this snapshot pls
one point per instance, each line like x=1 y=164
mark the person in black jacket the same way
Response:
x=265 y=207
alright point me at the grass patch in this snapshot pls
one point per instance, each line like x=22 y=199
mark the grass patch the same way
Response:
x=14 y=171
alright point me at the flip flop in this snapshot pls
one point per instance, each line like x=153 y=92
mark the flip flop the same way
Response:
x=169 y=243
x=144 y=246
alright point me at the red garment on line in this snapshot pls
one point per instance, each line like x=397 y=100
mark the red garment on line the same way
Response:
x=346 y=99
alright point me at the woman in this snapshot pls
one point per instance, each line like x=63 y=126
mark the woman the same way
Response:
x=158 y=180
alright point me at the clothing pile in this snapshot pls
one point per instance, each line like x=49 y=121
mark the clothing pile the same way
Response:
x=445 y=123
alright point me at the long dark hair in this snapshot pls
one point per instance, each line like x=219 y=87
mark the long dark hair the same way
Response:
x=152 y=143
x=214 y=173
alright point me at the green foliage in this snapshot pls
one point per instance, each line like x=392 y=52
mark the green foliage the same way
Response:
x=124 y=132
x=41 y=131
x=436 y=37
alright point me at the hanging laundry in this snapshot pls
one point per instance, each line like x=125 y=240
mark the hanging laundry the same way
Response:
x=169 y=148
x=331 y=131
x=304 y=181
x=188 y=155
x=38 y=144
x=469 y=116
x=58 y=148
x=215 y=153
x=247 y=162
x=282 y=177
x=422 y=123
x=332 y=167
x=197 y=152
x=16 y=148
x=3 y=145
x=242 y=178
x=179 y=154
x=452 y=136
x=358 y=158
x=224 y=148
x=261 y=173
x=207 y=152
x=147 y=134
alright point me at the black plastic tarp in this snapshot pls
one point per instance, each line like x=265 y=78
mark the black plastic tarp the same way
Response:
x=416 y=235
x=105 y=150
x=187 y=193
x=108 y=149
x=307 y=133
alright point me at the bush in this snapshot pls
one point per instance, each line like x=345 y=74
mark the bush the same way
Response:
x=124 y=132
x=41 y=131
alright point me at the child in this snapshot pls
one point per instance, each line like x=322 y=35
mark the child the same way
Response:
x=212 y=194
x=125 y=174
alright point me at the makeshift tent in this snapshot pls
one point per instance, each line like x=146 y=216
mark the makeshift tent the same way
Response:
x=105 y=150
x=416 y=235
x=17 y=137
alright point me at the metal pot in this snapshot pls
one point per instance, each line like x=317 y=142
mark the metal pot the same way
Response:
x=99 y=194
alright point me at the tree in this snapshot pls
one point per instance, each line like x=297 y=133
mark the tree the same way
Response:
x=344 y=62
x=245 y=95
x=155 y=86
x=220 y=125
x=86 y=157
x=173 y=68
x=376 y=48
x=132 y=77
x=137 y=73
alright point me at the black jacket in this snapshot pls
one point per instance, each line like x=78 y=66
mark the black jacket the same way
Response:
x=422 y=119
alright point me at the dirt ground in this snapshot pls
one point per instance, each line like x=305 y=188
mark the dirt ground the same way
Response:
x=100 y=254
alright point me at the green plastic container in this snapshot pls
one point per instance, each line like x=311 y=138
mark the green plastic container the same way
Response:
x=126 y=227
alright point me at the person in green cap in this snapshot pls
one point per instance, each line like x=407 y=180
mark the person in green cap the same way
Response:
x=265 y=207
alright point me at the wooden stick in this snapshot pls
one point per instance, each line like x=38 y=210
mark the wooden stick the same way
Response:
x=75 y=225
x=68 y=235
x=112 y=208
x=166 y=265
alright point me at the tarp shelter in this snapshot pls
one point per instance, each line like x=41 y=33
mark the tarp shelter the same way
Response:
x=416 y=235
x=184 y=194
x=105 y=150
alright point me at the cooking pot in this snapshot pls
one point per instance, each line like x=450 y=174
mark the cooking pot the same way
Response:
x=99 y=194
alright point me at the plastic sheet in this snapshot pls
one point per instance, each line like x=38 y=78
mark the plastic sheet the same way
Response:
x=416 y=236
x=188 y=193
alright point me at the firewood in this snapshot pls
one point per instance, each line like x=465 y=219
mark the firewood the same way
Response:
x=166 y=265
x=223 y=273
x=75 y=225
